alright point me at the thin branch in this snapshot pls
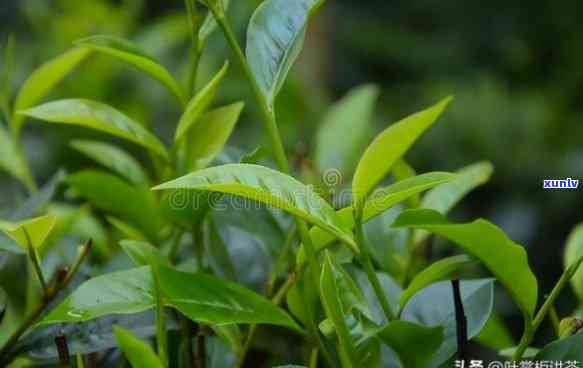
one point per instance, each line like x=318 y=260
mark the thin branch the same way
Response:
x=63 y=351
x=461 y=320
x=46 y=301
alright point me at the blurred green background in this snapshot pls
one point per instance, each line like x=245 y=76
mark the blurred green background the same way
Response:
x=514 y=67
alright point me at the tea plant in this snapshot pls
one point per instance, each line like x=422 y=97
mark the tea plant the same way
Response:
x=354 y=286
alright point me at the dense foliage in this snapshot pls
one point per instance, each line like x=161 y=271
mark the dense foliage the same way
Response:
x=224 y=258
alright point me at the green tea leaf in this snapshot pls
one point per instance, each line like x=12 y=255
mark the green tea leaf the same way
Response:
x=31 y=232
x=209 y=137
x=380 y=201
x=436 y=272
x=388 y=147
x=446 y=196
x=107 y=192
x=131 y=54
x=433 y=306
x=209 y=25
x=123 y=292
x=573 y=252
x=98 y=116
x=413 y=344
x=496 y=334
x=200 y=297
x=210 y=300
x=127 y=230
x=138 y=352
x=268 y=186
x=275 y=38
x=6 y=76
x=504 y=258
x=567 y=349
x=351 y=114
x=143 y=253
x=43 y=79
x=113 y=158
x=334 y=286
x=11 y=160
x=199 y=104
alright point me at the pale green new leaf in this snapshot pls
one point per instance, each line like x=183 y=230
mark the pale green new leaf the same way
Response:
x=131 y=54
x=211 y=134
x=414 y=344
x=388 y=147
x=380 y=201
x=98 y=116
x=31 y=232
x=444 y=197
x=43 y=79
x=127 y=230
x=438 y=271
x=351 y=114
x=275 y=38
x=573 y=252
x=504 y=258
x=113 y=158
x=138 y=352
x=268 y=186
x=199 y=104
x=209 y=25
x=10 y=159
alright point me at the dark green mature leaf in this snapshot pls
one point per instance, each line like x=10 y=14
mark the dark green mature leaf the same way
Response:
x=43 y=79
x=136 y=205
x=98 y=116
x=138 y=352
x=207 y=299
x=504 y=258
x=201 y=297
x=113 y=158
x=380 y=201
x=433 y=306
x=124 y=292
x=436 y=272
x=37 y=202
x=131 y=54
x=268 y=186
x=388 y=147
x=88 y=337
x=3 y=302
x=275 y=38
x=567 y=349
x=413 y=344
x=573 y=252
x=351 y=114
x=199 y=104
x=11 y=160
x=339 y=294
x=209 y=137
x=444 y=197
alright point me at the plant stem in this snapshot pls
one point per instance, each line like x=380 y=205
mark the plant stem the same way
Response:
x=368 y=266
x=531 y=328
x=63 y=351
x=161 y=337
x=194 y=21
x=272 y=130
x=35 y=261
x=46 y=301
x=314 y=358
x=555 y=319
x=461 y=321
x=198 y=241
